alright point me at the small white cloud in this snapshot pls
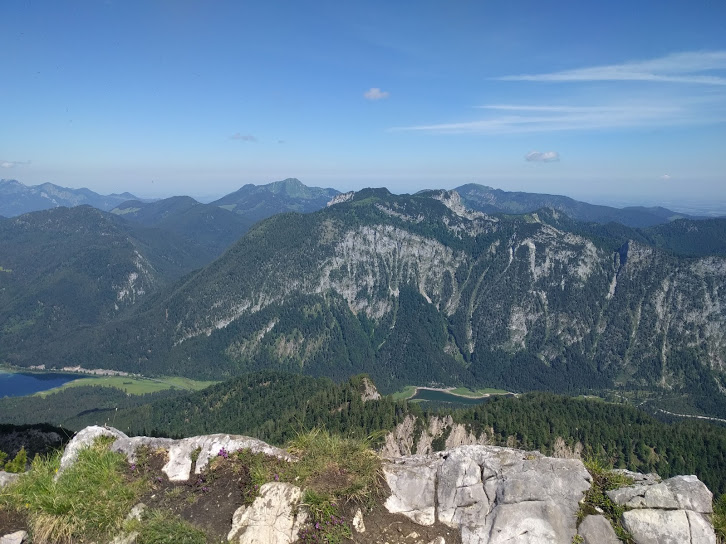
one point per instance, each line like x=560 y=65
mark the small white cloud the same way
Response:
x=665 y=177
x=243 y=137
x=374 y=93
x=12 y=164
x=542 y=156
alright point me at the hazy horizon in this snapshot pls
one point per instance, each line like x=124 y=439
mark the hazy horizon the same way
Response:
x=704 y=207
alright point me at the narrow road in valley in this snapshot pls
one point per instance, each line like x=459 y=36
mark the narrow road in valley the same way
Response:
x=692 y=416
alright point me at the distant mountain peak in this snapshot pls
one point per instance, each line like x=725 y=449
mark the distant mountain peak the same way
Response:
x=17 y=198
x=258 y=202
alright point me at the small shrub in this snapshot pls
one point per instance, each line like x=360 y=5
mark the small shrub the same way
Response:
x=3 y=456
x=18 y=464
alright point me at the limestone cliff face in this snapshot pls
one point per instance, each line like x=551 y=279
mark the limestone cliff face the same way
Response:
x=488 y=494
x=505 y=286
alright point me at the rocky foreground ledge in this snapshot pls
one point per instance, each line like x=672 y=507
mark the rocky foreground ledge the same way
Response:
x=474 y=494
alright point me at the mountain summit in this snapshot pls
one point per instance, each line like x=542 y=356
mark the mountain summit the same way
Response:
x=257 y=202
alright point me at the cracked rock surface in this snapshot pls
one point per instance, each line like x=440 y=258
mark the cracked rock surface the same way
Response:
x=492 y=494
x=497 y=495
x=671 y=511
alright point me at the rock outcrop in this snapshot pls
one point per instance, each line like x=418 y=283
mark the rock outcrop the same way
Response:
x=273 y=516
x=495 y=495
x=492 y=494
x=671 y=512
x=486 y=494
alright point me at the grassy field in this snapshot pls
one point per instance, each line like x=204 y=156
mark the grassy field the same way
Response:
x=134 y=386
x=410 y=390
x=406 y=392
x=466 y=392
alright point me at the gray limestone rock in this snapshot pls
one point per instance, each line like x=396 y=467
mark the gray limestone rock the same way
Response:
x=701 y=528
x=83 y=439
x=412 y=481
x=650 y=526
x=14 y=538
x=7 y=478
x=179 y=464
x=492 y=494
x=597 y=530
x=270 y=518
x=358 y=525
x=679 y=492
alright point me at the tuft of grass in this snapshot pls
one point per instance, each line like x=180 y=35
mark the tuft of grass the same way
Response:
x=162 y=527
x=603 y=480
x=325 y=522
x=345 y=468
x=88 y=502
x=719 y=518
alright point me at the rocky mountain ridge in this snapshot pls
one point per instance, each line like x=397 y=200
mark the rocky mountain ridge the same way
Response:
x=418 y=288
x=485 y=494
x=17 y=198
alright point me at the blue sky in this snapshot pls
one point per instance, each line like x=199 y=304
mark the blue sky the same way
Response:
x=606 y=101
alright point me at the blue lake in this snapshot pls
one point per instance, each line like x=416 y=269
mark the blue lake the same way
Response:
x=17 y=384
x=442 y=396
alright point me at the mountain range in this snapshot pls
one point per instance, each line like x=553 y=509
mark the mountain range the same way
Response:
x=17 y=199
x=489 y=200
x=421 y=289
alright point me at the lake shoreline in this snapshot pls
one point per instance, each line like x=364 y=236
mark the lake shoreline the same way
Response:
x=450 y=391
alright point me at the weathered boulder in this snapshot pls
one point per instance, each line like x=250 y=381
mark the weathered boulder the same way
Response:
x=679 y=492
x=597 y=530
x=83 y=439
x=18 y=537
x=7 y=478
x=667 y=511
x=651 y=526
x=413 y=487
x=179 y=464
x=271 y=518
x=492 y=494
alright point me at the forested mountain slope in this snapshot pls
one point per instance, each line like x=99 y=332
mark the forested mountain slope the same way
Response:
x=208 y=226
x=67 y=269
x=417 y=289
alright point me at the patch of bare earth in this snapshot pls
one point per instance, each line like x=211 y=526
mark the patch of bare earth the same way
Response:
x=383 y=527
x=11 y=520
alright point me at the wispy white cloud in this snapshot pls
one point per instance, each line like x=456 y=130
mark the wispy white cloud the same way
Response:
x=512 y=118
x=12 y=164
x=374 y=93
x=686 y=67
x=542 y=156
x=665 y=177
x=243 y=137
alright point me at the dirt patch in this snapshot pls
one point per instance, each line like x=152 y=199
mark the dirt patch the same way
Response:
x=382 y=526
x=206 y=500
x=11 y=520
